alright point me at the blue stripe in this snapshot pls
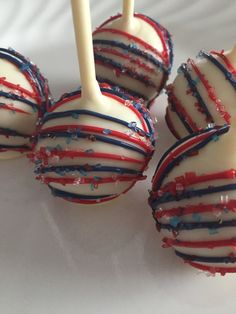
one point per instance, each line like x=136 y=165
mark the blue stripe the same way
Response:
x=206 y=259
x=132 y=49
x=167 y=197
x=70 y=113
x=96 y=137
x=228 y=75
x=179 y=114
x=195 y=92
x=168 y=40
x=86 y=168
x=24 y=65
x=125 y=90
x=124 y=70
x=35 y=75
x=14 y=146
x=68 y=195
x=21 y=99
x=214 y=225
x=178 y=159
x=142 y=110
x=9 y=132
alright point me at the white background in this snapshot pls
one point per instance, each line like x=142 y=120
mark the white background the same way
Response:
x=57 y=258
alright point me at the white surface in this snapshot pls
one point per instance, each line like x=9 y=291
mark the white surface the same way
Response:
x=62 y=259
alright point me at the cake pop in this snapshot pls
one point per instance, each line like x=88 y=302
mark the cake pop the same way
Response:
x=134 y=52
x=93 y=144
x=193 y=199
x=24 y=94
x=203 y=93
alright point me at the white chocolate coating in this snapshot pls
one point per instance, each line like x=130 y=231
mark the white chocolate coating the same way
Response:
x=209 y=84
x=89 y=185
x=200 y=209
x=123 y=59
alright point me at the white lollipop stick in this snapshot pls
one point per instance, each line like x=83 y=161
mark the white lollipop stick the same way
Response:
x=128 y=14
x=84 y=42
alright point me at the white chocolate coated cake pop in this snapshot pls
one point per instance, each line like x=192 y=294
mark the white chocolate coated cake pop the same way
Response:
x=133 y=52
x=93 y=144
x=24 y=94
x=193 y=199
x=204 y=92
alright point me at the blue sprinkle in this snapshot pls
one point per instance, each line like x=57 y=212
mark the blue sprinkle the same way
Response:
x=68 y=140
x=58 y=147
x=215 y=138
x=97 y=178
x=196 y=81
x=24 y=67
x=132 y=124
x=179 y=71
x=89 y=151
x=212 y=231
x=174 y=221
x=60 y=172
x=197 y=217
x=137 y=106
x=92 y=187
x=106 y=131
x=133 y=46
x=83 y=173
x=75 y=115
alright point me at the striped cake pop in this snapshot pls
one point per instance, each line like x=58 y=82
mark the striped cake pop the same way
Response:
x=133 y=52
x=23 y=94
x=93 y=144
x=204 y=92
x=193 y=199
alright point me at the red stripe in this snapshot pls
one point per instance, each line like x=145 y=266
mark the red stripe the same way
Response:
x=94 y=129
x=133 y=74
x=22 y=90
x=163 y=55
x=226 y=60
x=178 y=150
x=118 y=99
x=179 y=107
x=213 y=269
x=10 y=107
x=90 y=202
x=20 y=150
x=189 y=179
x=73 y=154
x=96 y=182
x=165 y=52
x=125 y=56
x=191 y=209
x=211 y=93
x=199 y=244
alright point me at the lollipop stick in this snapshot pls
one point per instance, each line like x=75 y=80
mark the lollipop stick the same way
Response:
x=128 y=13
x=84 y=42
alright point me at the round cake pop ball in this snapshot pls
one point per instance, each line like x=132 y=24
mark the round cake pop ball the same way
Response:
x=23 y=94
x=194 y=199
x=95 y=144
x=203 y=93
x=91 y=154
x=133 y=52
